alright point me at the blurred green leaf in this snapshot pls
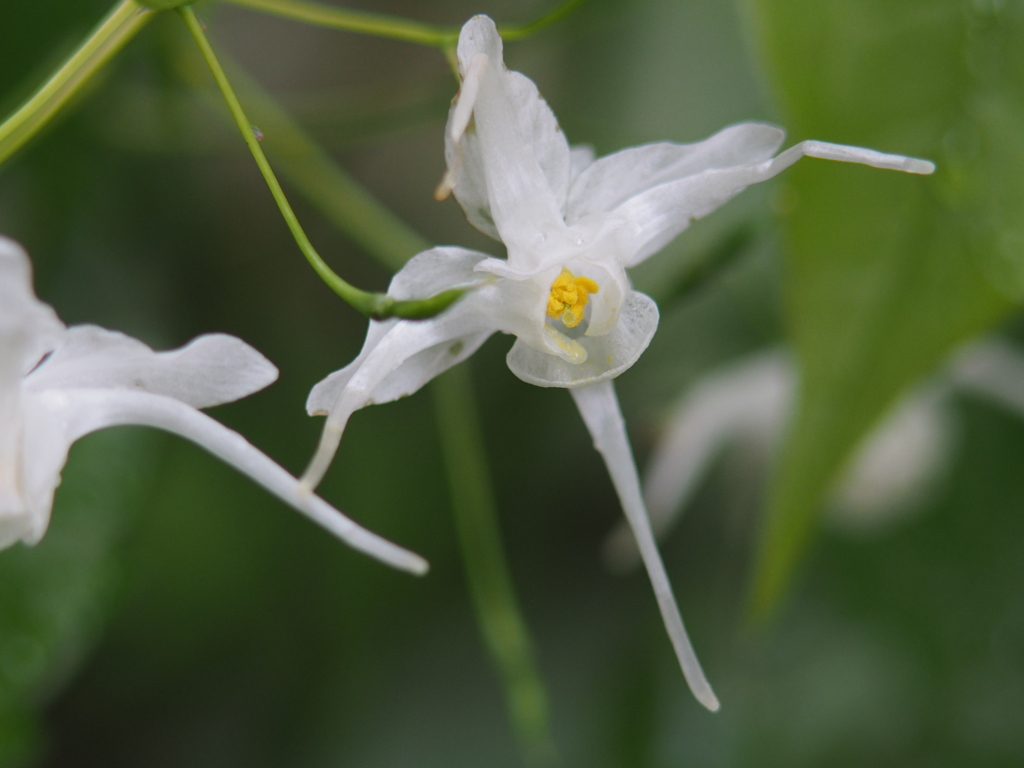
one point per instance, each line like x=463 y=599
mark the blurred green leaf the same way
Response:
x=56 y=595
x=886 y=272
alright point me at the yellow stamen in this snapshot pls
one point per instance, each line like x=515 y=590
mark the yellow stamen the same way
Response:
x=569 y=296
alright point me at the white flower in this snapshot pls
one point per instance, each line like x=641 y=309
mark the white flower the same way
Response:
x=571 y=225
x=58 y=384
x=894 y=469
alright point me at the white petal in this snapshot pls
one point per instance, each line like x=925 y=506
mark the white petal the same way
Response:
x=511 y=166
x=425 y=274
x=656 y=216
x=85 y=410
x=399 y=357
x=607 y=356
x=210 y=370
x=748 y=398
x=28 y=330
x=600 y=410
x=434 y=271
x=28 y=327
x=612 y=180
x=580 y=158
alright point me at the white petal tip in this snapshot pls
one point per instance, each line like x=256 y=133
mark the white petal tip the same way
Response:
x=923 y=167
x=418 y=566
x=709 y=700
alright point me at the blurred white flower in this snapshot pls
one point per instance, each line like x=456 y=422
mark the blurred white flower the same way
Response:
x=571 y=225
x=58 y=384
x=893 y=470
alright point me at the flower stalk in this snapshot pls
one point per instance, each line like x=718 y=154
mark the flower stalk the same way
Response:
x=378 y=306
x=490 y=584
x=395 y=28
x=119 y=26
x=504 y=630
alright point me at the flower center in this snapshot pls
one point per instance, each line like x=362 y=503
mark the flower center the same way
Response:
x=569 y=296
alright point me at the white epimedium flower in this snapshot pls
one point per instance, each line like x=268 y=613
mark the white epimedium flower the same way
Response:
x=58 y=384
x=571 y=225
x=748 y=403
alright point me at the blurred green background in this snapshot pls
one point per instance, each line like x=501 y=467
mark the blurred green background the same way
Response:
x=176 y=615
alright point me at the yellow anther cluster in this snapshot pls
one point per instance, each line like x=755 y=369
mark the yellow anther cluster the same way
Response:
x=569 y=297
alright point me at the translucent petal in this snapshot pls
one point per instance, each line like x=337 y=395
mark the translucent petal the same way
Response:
x=750 y=398
x=656 y=216
x=399 y=357
x=80 y=411
x=511 y=165
x=208 y=371
x=607 y=356
x=599 y=408
x=613 y=179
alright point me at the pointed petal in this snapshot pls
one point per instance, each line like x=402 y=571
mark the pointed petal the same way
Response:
x=656 y=216
x=400 y=356
x=606 y=356
x=613 y=179
x=600 y=410
x=751 y=396
x=425 y=274
x=80 y=411
x=511 y=165
x=210 y=370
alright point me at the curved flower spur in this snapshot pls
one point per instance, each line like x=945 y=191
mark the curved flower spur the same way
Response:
x=572 y=225
x=58 y=384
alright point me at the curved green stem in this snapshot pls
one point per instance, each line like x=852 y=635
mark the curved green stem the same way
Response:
x=119 y=26
x=393 y=27
x=375 y=305
x=506 y=635
x=490 y=583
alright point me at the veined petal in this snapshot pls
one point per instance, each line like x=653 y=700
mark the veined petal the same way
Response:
x=210 y=370
x=426 y=273
x=749 y=398
x=657 y=215
x=399 y=357
x=76 y=412
x=599 y=408
x=613 y=179
x=607 y=356
x=511 y=165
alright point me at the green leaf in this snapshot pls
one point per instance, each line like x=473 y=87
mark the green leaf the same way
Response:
x=56 y=595
x=887 y=273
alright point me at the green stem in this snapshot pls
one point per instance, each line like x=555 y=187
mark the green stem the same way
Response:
x=394 y=27
x=118 y=27
x=505 y=633
x=490 y=583
x=375 y=305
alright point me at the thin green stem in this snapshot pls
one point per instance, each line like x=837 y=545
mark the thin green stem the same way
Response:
x=375 y=305
x=394 y=27
x=119 y=26
x=356 y=21
x=318 y=177
x=361 y=216
x=490 y=582
x=556 y=14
